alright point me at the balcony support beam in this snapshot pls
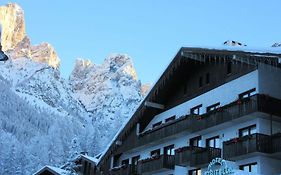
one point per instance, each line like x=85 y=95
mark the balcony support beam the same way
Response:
x=154 y=105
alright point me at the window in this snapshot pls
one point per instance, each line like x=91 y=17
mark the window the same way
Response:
x=229 y=68
x=156 y=124
x=200 y=81
x=169 y=150
x=213 y=142
x=135 y=160
x=252 y=167
x=195 y=110
x=155 y=153
x=207 y=78
x=125 y=162
x=212 y=107
x=248 y=93
x=248 y=130
x=195 y=172
x=170 y=119
x=196 y=141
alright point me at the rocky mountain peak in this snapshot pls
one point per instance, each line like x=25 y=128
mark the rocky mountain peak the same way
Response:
x=145 y=88
x=15 y=41
x=45 y=53
x=120 y=61
x=13 y=26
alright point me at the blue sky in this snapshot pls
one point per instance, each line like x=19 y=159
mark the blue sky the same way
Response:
x=150 y=31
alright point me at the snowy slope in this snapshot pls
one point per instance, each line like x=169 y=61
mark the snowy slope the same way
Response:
x=47 y=120
x=32 y=136
x=40 y=111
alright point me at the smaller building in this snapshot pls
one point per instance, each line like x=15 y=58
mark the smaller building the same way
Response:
x=85 y=165
x=50 y=170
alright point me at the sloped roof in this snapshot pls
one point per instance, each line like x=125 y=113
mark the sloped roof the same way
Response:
x=93 y=160
x=263 y=52
x=54 y=170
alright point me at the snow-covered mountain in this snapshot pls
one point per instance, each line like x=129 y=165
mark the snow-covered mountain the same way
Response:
x=45 y=119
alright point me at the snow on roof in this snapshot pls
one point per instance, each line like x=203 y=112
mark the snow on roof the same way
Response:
x=269 y=50
x=91 y=159
x=55 y=170
x=272 y=50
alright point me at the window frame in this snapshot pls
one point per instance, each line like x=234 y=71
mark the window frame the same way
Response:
x=125 y=162
x=157 y=151
x=212 y=138
x=249 y=165
x=247 y=93
x=190 y=172
x=195 y=108
x=213 y=107
x=248 y=128
x=156 y=124
x=170 y=148
x=197 y=139
x=135 y=158
x=170 y=119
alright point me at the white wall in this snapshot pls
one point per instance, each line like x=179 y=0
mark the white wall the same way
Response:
x=270 y=166
x=270 y=80
x=266 y=128
x=224 y=94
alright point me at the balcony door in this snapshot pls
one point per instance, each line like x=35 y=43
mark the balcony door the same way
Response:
x=195 y=142
x=169 y=150
x=135 y=164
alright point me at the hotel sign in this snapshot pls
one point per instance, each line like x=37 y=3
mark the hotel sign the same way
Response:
x=218 y=166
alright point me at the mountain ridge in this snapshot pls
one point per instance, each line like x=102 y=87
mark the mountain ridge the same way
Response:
x=46 y=119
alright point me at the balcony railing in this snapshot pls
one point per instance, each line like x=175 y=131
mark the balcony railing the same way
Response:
x=122 y=170
x=155 y=164
x=276 y=143
x=183 y=155
x=203 y=156
x=245 y=145
x=192 y=123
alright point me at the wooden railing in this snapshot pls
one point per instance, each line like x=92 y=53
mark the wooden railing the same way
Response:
x=183 y=155
x=157 y=163
x=245 y=145
x=203 y=156
x=276 y=143
x=122 y=170
x=192 y=123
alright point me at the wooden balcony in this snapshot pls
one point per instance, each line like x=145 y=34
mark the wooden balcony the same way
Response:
x=183 y=155
x=276 y=143
x=202 y=156
x=156 y=164
x=122 y=170
x=246 y=145
x=165 y=130
x=192 y=123
x=234 y=110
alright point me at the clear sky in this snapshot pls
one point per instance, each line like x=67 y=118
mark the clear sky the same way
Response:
x=150 y=31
